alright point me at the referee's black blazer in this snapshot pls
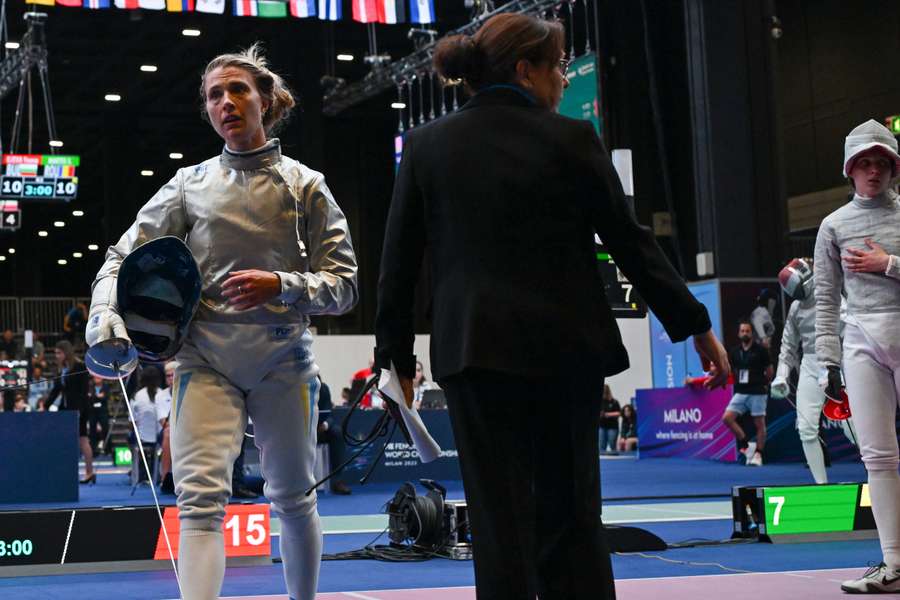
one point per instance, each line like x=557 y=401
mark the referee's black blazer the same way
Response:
x=507 y=196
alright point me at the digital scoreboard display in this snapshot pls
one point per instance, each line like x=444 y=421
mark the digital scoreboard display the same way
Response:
x=623 y=299
x=581 y=99
x=776 y=513
x=48 y=177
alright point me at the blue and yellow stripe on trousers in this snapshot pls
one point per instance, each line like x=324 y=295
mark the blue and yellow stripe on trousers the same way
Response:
x=309 y=397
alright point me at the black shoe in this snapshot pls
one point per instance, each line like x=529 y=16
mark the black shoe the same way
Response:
x=340 y=488
x=168 y=485
x=90 y=480
x=242 y=491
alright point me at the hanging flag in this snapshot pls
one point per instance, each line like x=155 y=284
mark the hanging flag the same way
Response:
x=330 y=10
x=96 y=4
x=148 y=4
x=303 y=8
x=260 y=8
x=69 y=3
x=421 y=11
x=365 y=11
x=216 y=7
x=47 y=2
x=180 y=5
x=391 y=11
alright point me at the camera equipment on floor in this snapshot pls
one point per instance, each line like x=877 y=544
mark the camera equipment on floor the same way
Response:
x=429 y=523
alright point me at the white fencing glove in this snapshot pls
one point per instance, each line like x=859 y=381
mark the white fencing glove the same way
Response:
x=779 y=388
x=104 y=321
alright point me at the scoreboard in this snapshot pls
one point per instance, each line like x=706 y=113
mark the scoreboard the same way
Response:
x=803 y=512
x=40 y=177
x=623 y=299
x=51 y=538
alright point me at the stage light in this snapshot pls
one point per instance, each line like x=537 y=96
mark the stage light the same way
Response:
x=112 y=97
x=77 y=213
x=56 y=144
x=12 y=250
x=2 y=258
x=345 y=57
x=398 y=105
x=190 y=32
x=42 y=233
x=147 y=173
x=148 y=68
x=59 y=223
x=12 y=45
x=93 y=247
x=176 y=155
x=77 y=255
x=62 y=261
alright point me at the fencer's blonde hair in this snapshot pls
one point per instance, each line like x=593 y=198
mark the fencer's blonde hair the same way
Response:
x=269 y=84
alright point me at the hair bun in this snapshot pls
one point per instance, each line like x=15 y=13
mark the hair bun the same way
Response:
x=456 y=57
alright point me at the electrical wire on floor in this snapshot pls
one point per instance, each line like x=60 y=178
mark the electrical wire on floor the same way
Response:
x=689 y=563
x=397 y=552
x=697 y=542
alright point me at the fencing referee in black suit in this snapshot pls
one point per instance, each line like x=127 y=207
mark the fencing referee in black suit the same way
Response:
x=507 y=195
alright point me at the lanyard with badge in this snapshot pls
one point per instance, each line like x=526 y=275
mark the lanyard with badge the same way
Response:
x=743 y=374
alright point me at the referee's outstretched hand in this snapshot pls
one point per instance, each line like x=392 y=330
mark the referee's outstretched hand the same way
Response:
x=713 y=358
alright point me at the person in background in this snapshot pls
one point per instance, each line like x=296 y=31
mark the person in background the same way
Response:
x=39 y=387
x=9 y=347
x=98 y=416
x=858 y=258
x=752 y=372
x=610 y=412
x=329 y=432
x=420 y=385
x=761 y=318
x=628 y=440
x=477 y=190
x=145 y=416
x=21 y=403
x=71 y=392
x=167 y=484
x=74 y=323
x=38 y=357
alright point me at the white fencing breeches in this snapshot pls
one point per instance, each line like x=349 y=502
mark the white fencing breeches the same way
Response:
x=872 y=375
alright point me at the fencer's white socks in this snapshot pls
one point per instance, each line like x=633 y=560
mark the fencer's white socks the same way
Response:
x=815 y=458
x=877 y=580
x=301 y=553
x=884 y=490
x=201 y=563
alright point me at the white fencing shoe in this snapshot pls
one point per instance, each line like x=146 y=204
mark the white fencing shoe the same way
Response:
x=877 y=580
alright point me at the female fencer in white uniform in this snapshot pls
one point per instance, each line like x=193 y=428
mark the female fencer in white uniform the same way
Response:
x=273 y=248
x=798 y=351
x=857 y=252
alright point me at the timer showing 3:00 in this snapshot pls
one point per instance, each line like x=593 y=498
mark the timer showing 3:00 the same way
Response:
x=16 y=548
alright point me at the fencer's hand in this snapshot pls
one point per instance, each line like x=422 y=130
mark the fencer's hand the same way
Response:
x=406 y=385
x=874 y=261
x=713 y=358
x=834 y=384
x=249 y=288
x=103 y=325
x=779 y=389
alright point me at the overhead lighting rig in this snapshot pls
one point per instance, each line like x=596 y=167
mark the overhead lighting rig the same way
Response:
x=384 y=77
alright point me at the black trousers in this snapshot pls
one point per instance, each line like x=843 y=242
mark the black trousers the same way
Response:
x=528 y=451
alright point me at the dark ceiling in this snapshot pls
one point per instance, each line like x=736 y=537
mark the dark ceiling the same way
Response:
x=96 y=52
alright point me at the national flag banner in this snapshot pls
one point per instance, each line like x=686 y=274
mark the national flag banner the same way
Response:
x=180 y=5
x=213 y=7
x=46 y=2
x=365 y=11
x=330 y=10
x=421 y=11
x=69 y=3
x=260 y=8
x=147 y=4
x=303 y=8
x=391 y=11
x=96 y=4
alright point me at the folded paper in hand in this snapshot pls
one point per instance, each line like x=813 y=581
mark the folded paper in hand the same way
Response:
x=389 y=385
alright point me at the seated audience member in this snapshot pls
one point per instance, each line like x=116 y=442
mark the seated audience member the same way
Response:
x=420 y=385
x=628 y=439
x=329 y=432
x=21 y=404
x=609 y=421
x=9 y=346
x=39 y=387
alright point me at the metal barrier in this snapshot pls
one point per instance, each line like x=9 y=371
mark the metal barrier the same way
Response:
x=45 y=315
x=10 y=313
